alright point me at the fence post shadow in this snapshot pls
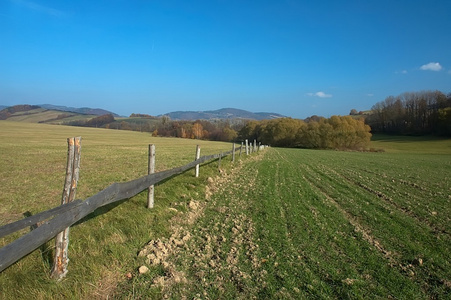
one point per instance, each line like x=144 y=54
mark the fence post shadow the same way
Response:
x=45 y=249
x=109 y=207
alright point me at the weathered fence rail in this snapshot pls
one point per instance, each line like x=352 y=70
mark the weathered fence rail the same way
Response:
x=56 y=220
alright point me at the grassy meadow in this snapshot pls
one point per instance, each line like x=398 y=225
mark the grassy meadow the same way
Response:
x=411 y=144
x=103 y=246
x=282 y=223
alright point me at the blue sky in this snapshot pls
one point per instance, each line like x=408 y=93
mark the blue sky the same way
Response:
x=297 y=58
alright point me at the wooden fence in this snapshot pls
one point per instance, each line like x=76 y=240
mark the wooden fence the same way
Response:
x=56 y=221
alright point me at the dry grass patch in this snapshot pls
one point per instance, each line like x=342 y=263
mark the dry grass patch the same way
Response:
x=103 y=246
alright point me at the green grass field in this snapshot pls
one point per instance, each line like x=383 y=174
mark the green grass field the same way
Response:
x=103 y=247
x=411 y=144
x=283 y=223
x=299 y=224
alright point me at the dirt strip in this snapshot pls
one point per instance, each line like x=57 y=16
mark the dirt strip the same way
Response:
x=209 y=250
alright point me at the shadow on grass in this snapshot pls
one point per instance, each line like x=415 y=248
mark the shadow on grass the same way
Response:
x=107 y=208
x=46 y=248
x=405 y=138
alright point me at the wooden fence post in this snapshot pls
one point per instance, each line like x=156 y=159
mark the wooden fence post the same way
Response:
x=59 y=269
x=219 y=162
x=255 y=145
x=197 y=157
x=151 y=170
x=233 y=152
x=247 y=147
x=241 y=149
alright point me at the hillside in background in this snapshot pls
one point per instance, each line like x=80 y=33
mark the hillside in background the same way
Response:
x=37 y=114
x=224 y=113
x=82 y=110
x=57 y=114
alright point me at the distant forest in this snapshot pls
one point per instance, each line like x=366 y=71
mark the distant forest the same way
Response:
x=217 y=130
x=411 y=113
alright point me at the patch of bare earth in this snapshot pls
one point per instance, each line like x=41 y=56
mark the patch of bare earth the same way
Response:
x=158 y=251
x=201 y=253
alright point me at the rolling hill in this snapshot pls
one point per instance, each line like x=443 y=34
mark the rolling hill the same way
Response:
x=82 y=110
x=224 y=113
x=37 y=114
x=56 y=114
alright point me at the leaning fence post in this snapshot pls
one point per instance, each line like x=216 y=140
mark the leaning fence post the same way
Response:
x=197 y=157
x=151 y=170
x=59 y=269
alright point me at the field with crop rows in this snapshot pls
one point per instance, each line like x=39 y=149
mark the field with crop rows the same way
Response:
x=318 y=224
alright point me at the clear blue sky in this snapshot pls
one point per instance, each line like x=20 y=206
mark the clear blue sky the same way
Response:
x=297 y=58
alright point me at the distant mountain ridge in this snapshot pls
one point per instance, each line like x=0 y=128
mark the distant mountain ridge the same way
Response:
x=82 y=110
x=52 y=114
x=223 y=113
x=49 y=112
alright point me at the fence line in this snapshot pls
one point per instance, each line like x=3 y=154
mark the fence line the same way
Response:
x=69 y=213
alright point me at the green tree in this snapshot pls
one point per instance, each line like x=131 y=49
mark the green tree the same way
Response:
x=250 y=131
x=281 y=132
x=229 y=134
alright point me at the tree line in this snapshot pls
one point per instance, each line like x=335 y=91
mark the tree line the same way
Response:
x=424 y=112
x=219 y=130
x=316 y=133
x=100 y=121
x=414 y=113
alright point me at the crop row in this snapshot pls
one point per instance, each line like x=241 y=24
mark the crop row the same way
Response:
x=396 y=216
